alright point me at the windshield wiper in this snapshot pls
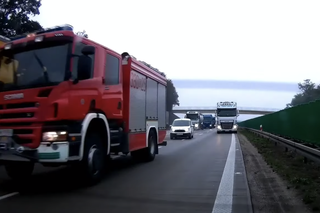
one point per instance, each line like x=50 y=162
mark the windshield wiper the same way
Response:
x=42 y=66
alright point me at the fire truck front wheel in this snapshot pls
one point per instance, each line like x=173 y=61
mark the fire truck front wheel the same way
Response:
x=19 y=170
x=92 y=165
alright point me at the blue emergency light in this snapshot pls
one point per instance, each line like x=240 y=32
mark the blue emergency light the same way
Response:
x=66 y=27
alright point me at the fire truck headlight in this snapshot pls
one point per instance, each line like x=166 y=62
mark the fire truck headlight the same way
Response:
x=39 y=39
x=8 y=46
x=54 y=136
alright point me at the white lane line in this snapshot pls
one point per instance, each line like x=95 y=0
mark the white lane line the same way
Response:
x=223 y=202
x=9 y=195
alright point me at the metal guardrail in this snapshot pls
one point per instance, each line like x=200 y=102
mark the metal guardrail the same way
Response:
x=305 y=151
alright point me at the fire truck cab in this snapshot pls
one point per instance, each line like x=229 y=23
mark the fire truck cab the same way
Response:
x=67 y=100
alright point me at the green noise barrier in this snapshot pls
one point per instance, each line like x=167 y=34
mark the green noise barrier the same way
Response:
x=300 y=123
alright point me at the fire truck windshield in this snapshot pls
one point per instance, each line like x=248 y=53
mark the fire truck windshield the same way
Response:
x=34 y=66
x=227 y=112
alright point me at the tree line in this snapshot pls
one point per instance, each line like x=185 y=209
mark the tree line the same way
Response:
x=309 y=91
x=15 y=20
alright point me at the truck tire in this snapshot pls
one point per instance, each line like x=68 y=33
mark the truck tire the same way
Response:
x=19 y=170
x=150 y=151
x=92 y=165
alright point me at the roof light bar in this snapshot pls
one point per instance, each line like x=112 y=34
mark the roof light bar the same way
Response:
x=65 y=27
x=3 y=38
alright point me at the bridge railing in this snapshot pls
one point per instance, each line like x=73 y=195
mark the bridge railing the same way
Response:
x=195 y=108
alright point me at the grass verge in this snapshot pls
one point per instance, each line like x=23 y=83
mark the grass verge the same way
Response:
x=301 y=175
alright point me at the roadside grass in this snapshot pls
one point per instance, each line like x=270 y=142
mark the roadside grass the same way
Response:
x=301 y=175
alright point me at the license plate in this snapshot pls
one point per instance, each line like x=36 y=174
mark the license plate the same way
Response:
x=6 y=132
x=179 y=133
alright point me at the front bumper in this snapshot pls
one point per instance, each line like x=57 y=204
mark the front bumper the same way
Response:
x=196 y=127
x=180 y=134
x=208 y=126
x=233 y=129
x=47 y=152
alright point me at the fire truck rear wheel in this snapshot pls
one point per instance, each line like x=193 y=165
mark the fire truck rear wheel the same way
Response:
x=150 y=151
x=19 y=170
x=92 y=165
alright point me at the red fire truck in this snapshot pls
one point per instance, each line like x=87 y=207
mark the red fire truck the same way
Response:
x=66 y=100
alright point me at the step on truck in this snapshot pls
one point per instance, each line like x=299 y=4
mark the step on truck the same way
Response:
x=226 y=117
x=66 y=100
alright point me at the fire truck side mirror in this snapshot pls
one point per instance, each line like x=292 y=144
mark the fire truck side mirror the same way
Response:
x=84 y=67
x=88 y=50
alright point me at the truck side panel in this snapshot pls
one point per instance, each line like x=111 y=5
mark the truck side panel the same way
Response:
x=151 y=99
x=137 y=116
x=162 y=112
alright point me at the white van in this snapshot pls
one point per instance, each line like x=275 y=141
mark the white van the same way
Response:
x=181 y=128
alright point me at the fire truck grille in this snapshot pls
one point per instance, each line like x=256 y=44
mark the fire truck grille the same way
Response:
x=23 y=133
x=16 y=115
x=18 y=105
x=227 y=125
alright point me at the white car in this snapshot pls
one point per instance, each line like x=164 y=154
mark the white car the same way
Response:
x=181 y=128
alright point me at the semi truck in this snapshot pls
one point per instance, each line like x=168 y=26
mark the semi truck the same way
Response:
x=226 y=117
x=67 y=100
x=208 y=121
x=196 y=119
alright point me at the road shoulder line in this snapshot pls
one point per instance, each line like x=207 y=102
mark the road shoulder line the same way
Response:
x=224 y=198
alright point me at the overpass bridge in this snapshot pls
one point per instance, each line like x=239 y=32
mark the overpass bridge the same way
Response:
x=242 y=110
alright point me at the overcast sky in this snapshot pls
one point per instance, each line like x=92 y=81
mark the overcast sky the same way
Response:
x=252 y=41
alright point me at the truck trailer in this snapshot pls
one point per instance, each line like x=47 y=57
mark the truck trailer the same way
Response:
x=67 y=100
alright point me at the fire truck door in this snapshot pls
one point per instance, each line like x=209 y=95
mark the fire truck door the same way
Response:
x=112 y=97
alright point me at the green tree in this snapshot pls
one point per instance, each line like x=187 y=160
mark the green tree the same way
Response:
x=308 y=92
x=15 y=17
x=172 y=95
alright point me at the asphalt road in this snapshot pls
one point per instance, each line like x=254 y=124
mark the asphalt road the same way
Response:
x=205 y=174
